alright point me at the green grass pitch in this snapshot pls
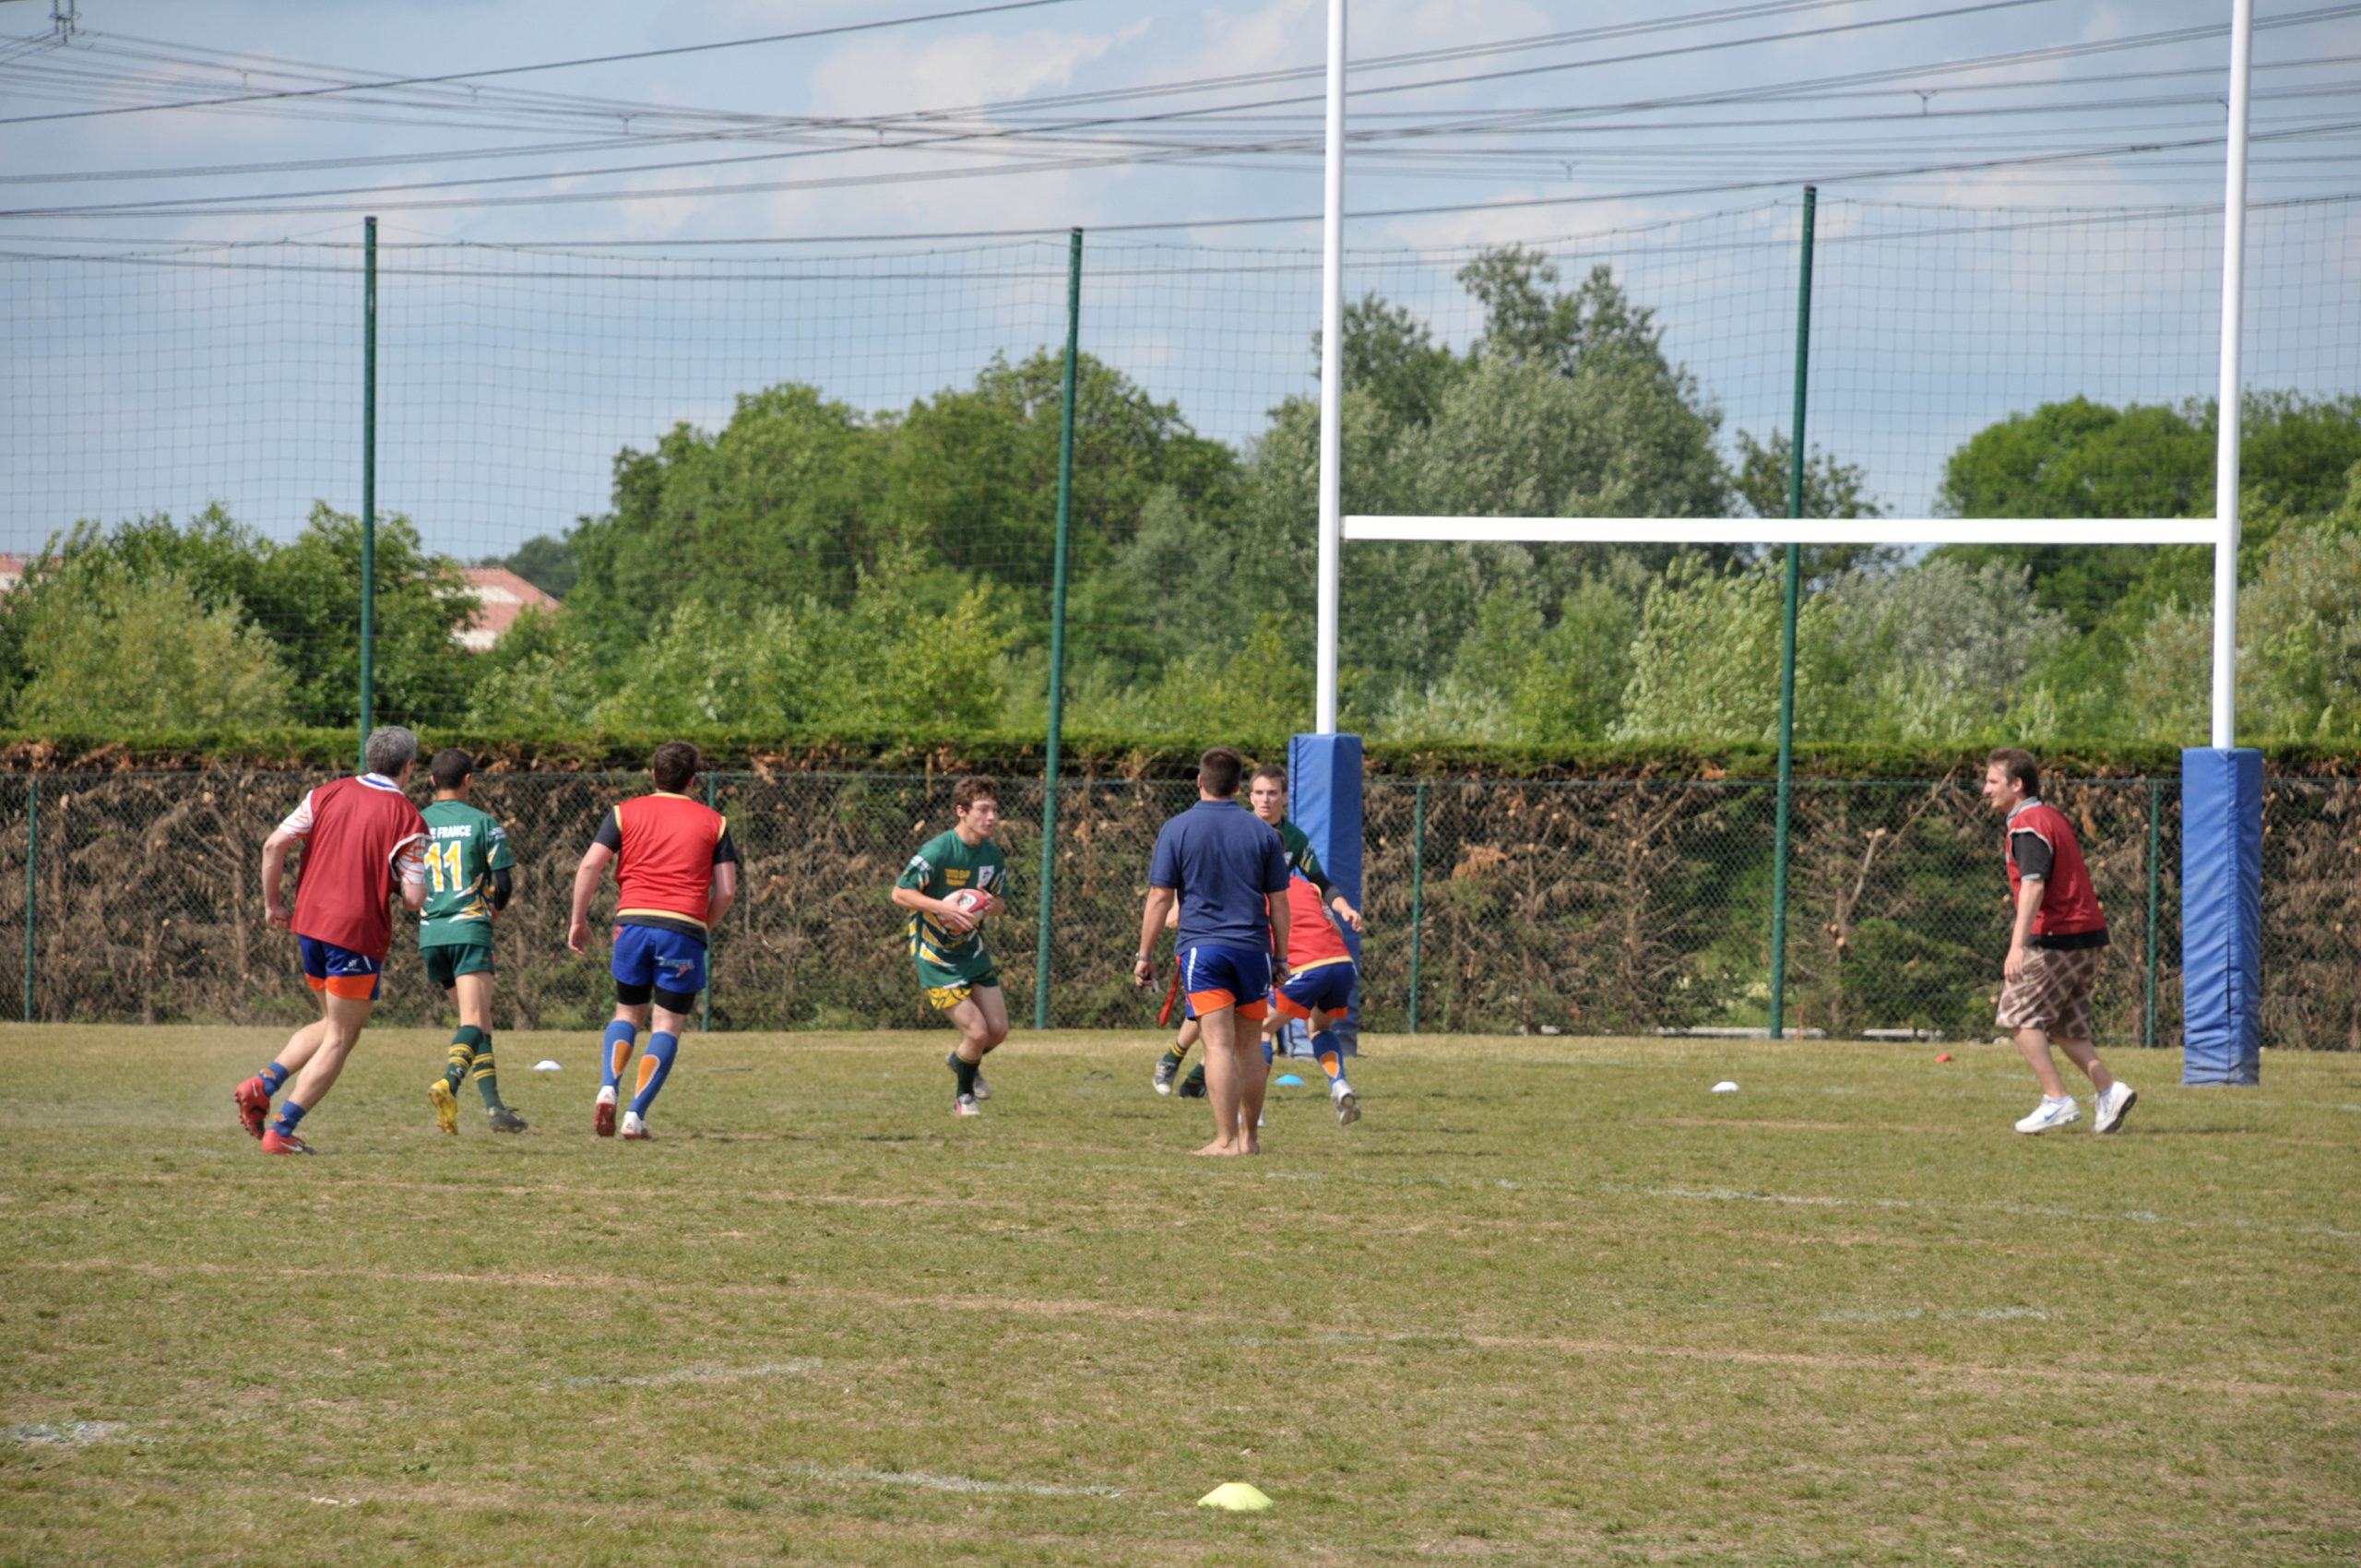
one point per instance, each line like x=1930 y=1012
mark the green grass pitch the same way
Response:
x=1551 y=1301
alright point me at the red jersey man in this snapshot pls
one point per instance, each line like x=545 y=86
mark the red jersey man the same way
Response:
x=676 y=873
x=2054 y=946
x=362 y=840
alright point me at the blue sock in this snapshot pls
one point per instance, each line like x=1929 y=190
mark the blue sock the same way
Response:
x=1266 y=1053
x=655 y=1066
x=289 y=1114
x=617 y=1052
x=1331 y=1054
x=272 y=1078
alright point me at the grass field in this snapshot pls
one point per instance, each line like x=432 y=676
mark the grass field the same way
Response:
x=1551 y=1302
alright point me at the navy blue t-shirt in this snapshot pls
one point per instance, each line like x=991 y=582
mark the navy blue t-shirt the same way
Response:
x=1223 y=861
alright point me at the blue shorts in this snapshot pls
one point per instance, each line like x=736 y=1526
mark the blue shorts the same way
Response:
x=648 y=956
x=1216 y=976
x=340 y=971
x=1325 y=988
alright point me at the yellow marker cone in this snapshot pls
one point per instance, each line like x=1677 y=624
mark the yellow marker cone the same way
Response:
x=1238 y=1497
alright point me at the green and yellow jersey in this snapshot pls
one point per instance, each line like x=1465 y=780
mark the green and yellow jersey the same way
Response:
x=464 y=847
x=943 y=865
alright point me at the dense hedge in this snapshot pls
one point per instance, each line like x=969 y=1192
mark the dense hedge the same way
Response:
x=1099 y=755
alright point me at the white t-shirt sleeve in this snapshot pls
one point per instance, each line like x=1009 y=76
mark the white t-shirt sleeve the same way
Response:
x=298 y=823
x=409 y=858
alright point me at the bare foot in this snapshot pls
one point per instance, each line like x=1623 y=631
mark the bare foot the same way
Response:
x=1215 y=1148
x=1254 y=1145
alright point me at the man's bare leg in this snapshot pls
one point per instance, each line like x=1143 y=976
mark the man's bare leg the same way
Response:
x=339 y=1033
x=2084 y=1054
x=302 y=1043
x=1254 y=1079
x=472 y=995
x=2034 y=1046
x=982 y=1022
x=1219 y=1031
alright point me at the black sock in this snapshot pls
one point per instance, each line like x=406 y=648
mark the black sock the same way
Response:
x=965 y=1070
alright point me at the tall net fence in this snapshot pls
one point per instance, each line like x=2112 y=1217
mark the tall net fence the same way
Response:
x=521 y=390
x=1574 y=907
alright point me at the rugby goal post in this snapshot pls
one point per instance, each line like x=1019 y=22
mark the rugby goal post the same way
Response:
x=2221 y=784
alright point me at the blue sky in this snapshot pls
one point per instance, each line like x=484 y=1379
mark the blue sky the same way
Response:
x=1672 y=152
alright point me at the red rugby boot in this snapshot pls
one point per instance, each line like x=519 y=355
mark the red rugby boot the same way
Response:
x=254 y=1105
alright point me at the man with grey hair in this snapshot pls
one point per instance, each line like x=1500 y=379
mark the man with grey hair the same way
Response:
x=363 y=840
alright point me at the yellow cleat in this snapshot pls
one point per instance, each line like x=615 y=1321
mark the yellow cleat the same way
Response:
x=446 y=1110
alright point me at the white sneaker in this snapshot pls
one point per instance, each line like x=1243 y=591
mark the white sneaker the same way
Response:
x=966 y=1106
x=634 y=1128
x=2050 y=1115
x=1347 y=1103
x=983 y=1089
x=2108 y=1110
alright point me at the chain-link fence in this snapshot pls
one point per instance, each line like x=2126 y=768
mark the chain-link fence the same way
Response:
x=1575 y=907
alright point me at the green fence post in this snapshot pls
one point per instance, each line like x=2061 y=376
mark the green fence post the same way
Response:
x=1787 y=646
x=705 y=1000
x=1057 y=634
x=368 y=483
x=33 y=882
x=1418 y=893
x=2155 y=878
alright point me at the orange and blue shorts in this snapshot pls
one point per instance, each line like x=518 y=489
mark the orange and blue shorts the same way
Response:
x=340 y=971
x=1323 y=988
x=1214 y=975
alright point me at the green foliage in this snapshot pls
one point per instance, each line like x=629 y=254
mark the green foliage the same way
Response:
x=2299 y=643
x=546 y=563
x=2085 y=459
x=111 y=650
x=303 y=596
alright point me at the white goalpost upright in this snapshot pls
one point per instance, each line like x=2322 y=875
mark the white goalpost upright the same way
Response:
x=2221 y=784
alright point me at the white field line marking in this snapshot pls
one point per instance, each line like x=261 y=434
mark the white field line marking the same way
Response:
x=1734 y=1194
x=948 y=1483
x=1989 y=1314
x=72 y=1434
x=700 y=1373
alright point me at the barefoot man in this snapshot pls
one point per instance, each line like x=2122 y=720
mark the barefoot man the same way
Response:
x=1223 y=864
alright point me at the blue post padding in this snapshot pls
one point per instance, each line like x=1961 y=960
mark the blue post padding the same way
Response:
x=2221 y=895
x=1324 y=799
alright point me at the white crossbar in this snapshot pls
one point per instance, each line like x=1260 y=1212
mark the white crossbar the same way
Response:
x=1784 y=530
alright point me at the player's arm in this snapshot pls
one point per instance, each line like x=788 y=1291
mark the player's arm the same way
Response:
x=586 y=881
x=725 y=880
x=501 y=866
x=285 y=837
x=1160 y=903
x=1275 y=872
x=909 y=893
x=409 y=871
x=1280 y=915
x=2029 y=896
x=2033 y=857
x=1330 y=894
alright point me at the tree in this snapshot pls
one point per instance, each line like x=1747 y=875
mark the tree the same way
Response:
x=2084 y=460
x=546 y=563
x=1705 y=663
x=2299 y=642
x=306 y=597
x=776 y=508
x=1566 y=406
x=111 y=652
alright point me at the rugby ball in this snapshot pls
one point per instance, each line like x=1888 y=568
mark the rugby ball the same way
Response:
x=970 y=899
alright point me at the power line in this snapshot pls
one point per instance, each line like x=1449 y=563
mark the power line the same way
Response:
x=839 y=30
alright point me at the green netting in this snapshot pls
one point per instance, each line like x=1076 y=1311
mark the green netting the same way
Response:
x=1579 y=908
x=919 y=454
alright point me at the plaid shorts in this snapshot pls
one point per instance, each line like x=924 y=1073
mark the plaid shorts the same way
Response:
x=2054 y=994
